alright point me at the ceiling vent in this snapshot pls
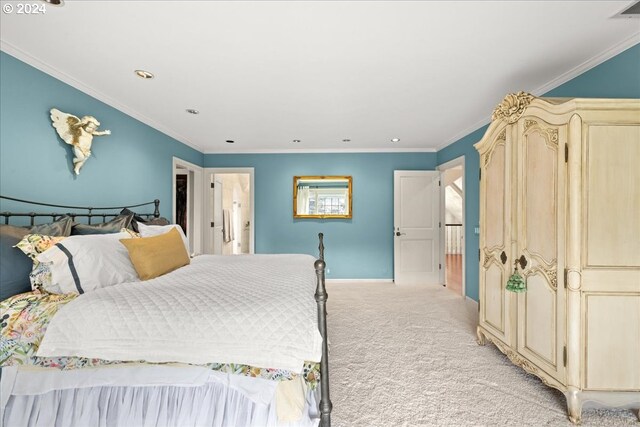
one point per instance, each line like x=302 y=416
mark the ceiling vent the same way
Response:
x=632 y=11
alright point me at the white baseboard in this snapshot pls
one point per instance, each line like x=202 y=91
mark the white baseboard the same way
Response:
x=472 y=302
x=347 y=281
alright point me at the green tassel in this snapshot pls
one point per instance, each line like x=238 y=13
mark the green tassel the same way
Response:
x=516 y=283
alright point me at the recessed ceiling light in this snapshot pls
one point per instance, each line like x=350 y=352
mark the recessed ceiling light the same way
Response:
x=143 y=74
x=54 y=2
x=229 y=141
x=296 y=140
x=395 y=139
x=192 y=111
x=346 y=140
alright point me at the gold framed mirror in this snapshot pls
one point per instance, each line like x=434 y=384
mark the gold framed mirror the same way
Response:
x=322 y=197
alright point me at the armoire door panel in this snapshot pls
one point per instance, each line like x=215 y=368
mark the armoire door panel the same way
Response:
x=540 y=327
x=612 y=341
x=495 y=198
x=540 y=220
x=493 y=309
x=612 y=196
x=495 y=239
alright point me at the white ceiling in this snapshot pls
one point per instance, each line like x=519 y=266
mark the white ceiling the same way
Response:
x=265 y=73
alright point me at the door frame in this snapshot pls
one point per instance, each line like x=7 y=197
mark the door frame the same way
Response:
x=458 y=161
x=195 y=197
x=207 y=180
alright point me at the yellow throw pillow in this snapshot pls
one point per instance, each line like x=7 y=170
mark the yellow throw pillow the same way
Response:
x=157 y=255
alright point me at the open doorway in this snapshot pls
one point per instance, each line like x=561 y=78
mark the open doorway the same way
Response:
x=452 y=217
x=182 y=198
x=187 y=201
x=230 y=211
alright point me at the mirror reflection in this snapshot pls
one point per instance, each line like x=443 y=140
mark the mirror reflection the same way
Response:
x=322 y=197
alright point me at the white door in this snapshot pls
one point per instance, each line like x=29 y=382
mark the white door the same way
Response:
x=216 y=221
x=416 y=213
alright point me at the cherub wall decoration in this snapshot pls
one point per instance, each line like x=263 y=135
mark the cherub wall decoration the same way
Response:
x=78 y=133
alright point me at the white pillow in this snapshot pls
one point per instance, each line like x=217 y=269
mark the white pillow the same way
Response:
x=156 y=230
x=84 y=263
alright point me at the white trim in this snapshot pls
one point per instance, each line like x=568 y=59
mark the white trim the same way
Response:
x=71 y=81
x=626 y=7
x=458 y=161
x=588 y=64
x=471 y=300
x=196 y=193
x=563 y=78
x=325 y=150
x=352 y=281
x=554 y=83
x=207 y=180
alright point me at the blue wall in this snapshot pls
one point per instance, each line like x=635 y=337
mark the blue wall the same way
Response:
x=619 y=77
x=132 y=165
x=359 y=248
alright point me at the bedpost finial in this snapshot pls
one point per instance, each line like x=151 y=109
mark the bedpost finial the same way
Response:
x=156 y=212
x=321 y=246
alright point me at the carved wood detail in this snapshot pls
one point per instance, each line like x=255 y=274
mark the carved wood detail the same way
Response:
x=551 y=274
x=517 y=360
x=550 y=134
x=512 y=107
x=492 y=255
x=574 y=279
x=553 y=278
x=501 y=139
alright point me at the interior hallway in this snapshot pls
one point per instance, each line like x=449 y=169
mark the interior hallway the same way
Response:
x=453 y=264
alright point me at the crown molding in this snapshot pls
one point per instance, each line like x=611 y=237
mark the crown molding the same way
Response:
x=588 y=64
x=325 y=150
x=77 y=84
x=557 y=81
x=23 y=56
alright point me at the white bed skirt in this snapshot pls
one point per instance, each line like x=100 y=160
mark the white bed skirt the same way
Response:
x=38 y=398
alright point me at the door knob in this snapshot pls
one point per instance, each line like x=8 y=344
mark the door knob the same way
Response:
x=503 y=257
x=400 y=234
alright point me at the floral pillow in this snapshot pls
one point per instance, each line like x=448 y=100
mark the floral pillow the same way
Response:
x=40 y=278
x=33 y=245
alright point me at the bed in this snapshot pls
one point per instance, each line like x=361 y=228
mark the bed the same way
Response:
x=221 y=341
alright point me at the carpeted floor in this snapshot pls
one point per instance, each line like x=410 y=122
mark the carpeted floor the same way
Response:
x=407 y=356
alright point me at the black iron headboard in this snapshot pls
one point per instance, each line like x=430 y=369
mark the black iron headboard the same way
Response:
x=89 y=214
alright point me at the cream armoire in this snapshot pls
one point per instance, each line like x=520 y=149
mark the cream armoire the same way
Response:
x=560 y=199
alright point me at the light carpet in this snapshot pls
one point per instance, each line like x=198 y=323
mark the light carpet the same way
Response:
x=407 y=356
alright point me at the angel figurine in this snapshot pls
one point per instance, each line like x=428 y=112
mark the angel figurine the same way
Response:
x=78 y=133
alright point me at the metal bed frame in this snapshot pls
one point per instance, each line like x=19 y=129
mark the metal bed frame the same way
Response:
x=89 y=214
x=325 y=406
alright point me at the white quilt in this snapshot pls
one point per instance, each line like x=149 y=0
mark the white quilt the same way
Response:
x=257 y=310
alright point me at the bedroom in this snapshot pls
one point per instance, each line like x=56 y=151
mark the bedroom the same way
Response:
x=320 y=74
